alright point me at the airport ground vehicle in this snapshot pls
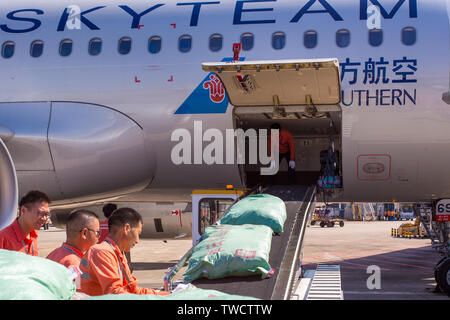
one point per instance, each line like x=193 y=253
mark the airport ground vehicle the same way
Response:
x=406 y=212
x=409 y=229
x=326 y=217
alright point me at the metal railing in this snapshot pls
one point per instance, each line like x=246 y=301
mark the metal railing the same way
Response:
x=174 y=270
x=286 y=279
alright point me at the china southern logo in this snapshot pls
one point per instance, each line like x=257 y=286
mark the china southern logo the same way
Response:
x=208 y=97
x=215 y=87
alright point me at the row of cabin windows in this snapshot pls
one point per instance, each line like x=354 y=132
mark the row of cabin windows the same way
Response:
x=310 y=40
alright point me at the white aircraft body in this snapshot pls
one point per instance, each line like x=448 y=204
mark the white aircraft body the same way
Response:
x=92 y=93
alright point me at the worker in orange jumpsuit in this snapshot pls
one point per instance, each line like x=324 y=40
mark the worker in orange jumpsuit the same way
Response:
x=286 y=151
x=82 y=232
x=104 y=266
x=108 y=209
x=22 y=235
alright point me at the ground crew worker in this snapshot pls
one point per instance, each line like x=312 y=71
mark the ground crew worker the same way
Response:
x=286 y=151
x=108 y=209
x=105 y=268
x=22 y=235
x=82 y=232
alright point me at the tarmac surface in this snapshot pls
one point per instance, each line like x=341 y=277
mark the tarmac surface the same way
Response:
x=406 y=265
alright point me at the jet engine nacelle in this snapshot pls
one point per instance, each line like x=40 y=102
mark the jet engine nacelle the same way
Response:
x=9 y=193
x=76 y=152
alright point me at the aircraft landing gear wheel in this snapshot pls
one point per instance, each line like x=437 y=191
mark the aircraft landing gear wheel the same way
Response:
x=322 y=224
x=341 y=224
x=442 y=274
x=330 y=224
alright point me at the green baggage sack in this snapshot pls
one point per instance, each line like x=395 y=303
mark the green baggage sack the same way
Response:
x=24 y=277
x=228 y=250
x=261 y=209
x=191 y=292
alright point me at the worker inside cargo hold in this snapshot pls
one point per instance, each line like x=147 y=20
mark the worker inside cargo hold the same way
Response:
x=286 y=151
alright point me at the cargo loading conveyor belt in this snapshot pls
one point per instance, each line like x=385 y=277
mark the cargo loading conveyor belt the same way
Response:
x=285 y=251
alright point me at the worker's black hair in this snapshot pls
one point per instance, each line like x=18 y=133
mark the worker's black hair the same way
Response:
x=122 y=216
x=108 y=209
x=275 y=126
x=32 y=197
x=78 y=219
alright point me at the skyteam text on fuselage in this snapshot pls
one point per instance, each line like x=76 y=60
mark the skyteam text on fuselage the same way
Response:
x=244 y=13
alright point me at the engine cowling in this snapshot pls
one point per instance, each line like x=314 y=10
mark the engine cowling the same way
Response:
x=9 y=194
x=76 y=152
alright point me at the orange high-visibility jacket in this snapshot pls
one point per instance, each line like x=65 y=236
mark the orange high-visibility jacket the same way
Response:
x=66 y=255
x=13 y=238
x=105 y=271
x=286 y=144
x=104 y=231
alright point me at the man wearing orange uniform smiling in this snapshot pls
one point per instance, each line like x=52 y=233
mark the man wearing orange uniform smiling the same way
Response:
x=104 y=266
x=22 y=234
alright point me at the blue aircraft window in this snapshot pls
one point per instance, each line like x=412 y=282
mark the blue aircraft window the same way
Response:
x=185 y=43
x=343 y=38
x=409 y=36
x=310 y=39
x=375 y=37
x=215 y=42
x=8 y=49
x=278 y=40
x=65 y=47
x=37 y=47
x=247 y=40
x=95 y=46
x=154 y=44
x=125 y=45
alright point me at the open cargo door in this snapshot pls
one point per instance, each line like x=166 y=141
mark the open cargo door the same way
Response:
x=281 y=89
x=302 y=95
